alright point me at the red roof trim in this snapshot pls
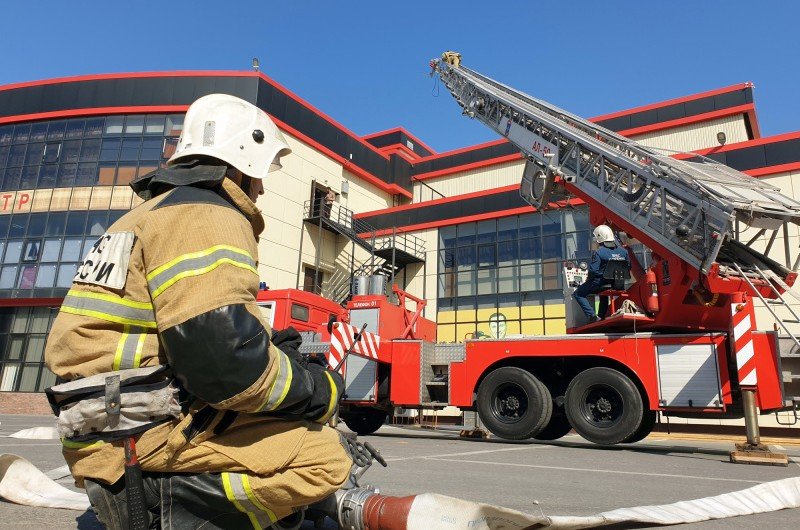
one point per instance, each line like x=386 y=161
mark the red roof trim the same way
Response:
x=772 y=170
x=436 y=202
x=462 y=150
x=457 y=220
x=72 y=113
x=675 y=101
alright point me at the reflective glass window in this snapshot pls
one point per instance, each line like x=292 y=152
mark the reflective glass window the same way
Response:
x=154 y=124
x=34 y=154
x=130 y=149
x=18 y=224
x=30 y=176
x=46 y=276
x=76 y=221
x=110 y=150
x=16 y=155
x=27 y=276
x=86 y=175
x=90 y=151
x=38 y=132
x=22 y=133
x=6 y=134
x=4 y=155
x=174 y=124
x=55 y=223
x=134 y=125
x=36 y=224
x=13 y=251
x=94 y=127
x=55 y=131
x=97 y=222
x=52 y=152
x=70 y=151
x=66 y=175
x=12 y=178
x=151 y=149
x=65 y=274
x=74 y=129
x=114 y=125
x=32 y=250
x=52 y=247
x=72 y=249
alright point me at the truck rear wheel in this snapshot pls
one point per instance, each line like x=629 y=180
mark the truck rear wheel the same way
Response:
x=604 y=406
x=557 y=427
x=363 y=420
x=513 y=404
x=648 y=422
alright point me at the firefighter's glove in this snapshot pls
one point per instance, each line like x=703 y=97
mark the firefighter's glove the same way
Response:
x=316 y=358
x=288 y=340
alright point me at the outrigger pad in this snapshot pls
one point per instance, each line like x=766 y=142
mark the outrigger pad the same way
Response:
x=757 y=455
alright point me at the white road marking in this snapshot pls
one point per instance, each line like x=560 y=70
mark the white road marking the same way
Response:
x=469 y=453
x=587 y=470
x=779 y=447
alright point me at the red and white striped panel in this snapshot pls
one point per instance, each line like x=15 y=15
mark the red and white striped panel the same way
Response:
x=342 y=337
x=743 y=345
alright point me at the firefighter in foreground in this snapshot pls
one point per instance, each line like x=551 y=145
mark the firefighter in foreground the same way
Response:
x=160 y=338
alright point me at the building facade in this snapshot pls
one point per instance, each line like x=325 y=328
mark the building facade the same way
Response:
x=486 y=262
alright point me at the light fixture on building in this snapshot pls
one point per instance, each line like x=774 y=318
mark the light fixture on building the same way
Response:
x=255 y=64
x=721 y=138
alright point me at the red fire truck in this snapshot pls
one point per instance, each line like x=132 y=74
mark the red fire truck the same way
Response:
x=682 y=339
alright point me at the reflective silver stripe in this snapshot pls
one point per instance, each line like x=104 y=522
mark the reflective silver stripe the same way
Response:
x=280 y=386
x=129 y=350
x=238 y=490
x=110 y=308
x=195 y=264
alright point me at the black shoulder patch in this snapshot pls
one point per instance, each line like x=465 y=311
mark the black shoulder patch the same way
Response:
x=193 y=195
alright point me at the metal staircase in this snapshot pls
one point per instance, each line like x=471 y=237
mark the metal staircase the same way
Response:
x=389 y=253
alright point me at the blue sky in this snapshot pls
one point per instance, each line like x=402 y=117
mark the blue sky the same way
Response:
x=365 y=62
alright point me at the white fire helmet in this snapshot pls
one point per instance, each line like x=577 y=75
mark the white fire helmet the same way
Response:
x=234 y=131
x=603 y=234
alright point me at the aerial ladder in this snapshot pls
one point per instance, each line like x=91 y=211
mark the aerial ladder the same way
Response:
x=689 y=213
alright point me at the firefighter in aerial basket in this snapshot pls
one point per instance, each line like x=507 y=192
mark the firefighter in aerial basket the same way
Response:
x=162 y=344
x=610 y=259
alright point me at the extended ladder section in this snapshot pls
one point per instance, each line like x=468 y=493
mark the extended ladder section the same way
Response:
x=691 y=208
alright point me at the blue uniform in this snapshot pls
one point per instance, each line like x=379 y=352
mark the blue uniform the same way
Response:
x=595 y=282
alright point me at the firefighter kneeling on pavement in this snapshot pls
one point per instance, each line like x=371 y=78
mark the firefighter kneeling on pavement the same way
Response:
x=160 y=338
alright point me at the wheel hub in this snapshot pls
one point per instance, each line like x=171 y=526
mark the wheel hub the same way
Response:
x=511 y=403
x=603 y=405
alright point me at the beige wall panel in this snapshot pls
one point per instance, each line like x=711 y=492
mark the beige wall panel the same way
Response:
x=470 y=181
x=696 y=136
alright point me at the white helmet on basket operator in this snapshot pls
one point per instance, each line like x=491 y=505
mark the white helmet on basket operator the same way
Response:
x=234 y=131
x=603 y=234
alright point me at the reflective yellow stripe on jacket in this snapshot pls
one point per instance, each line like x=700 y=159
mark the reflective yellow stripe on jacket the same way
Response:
x=238 y=490
x=110 y=308
x=332 y=403
x=280 y=385
x=196 y=264
x=129 y=348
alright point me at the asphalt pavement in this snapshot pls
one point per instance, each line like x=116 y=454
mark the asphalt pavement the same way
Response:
x=566 y=477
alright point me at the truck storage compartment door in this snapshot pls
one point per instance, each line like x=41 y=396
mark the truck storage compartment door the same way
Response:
x=360 y=379
x=688 y=376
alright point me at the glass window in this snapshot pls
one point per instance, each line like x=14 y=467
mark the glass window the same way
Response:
x=47 y=379
x=466 y=283
x=447 y=260
x=22 y=133
x=86 y=175
x=447 y=237
x=56 y=130
x=154 y=124
x=174 y=124
x=487 y=231
x=46 y=276
x=21 y=320
x=507 y=253
x=70 y=150
x=151 y=149
x=27 y=276
x=15 y=348
x=30 y=175
x=13 y=175
x=487 y=256
x=38 y=132
x=134 y=125
x=40 y=320
x=65 y=274
x=507 y=280
x=18 y=224
x=530 y=225
x=447 y=285
x=52 y=152
x=97 y=222
x=551 y=223
x=8 y=377
x=47 y=176
x=5 y=221
x=16 y=155
x=466 y=234
x=72 y=249
x=487 y=281
x=299 y=312
x=110 y=150
x=169 y=147
x=106 y=173
x=551 y=247
x=6 y=134
x=114 y=125
x=466 y=258
x=4 y=156
x=94 y=127
x=74 y=129
x=130 y=149
x=30 y=373
x=66 y=175
x=13 y=251
x=530 y=250
x=33 y=157
x=52 y=247
x=7 y=277
x=36 y=224
x=90 y=151
x=507 y=229
x=55 y=224
x=75 y=223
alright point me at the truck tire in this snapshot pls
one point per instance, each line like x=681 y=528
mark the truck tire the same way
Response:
x=364 y=420
x=513 y=404
x=556 y=428
x=648 y=422
x=604 y=406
